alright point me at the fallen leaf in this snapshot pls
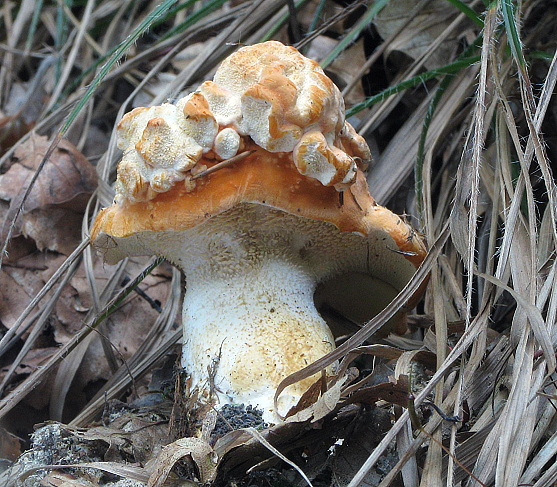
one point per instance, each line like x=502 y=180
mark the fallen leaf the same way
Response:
x=197 y=449
x=12 y=128
x=393 y=392
x=59 y=194
x=67 y=177
x=323 y=406
x=10 y=445
x=33 y=360
x=126 y=328
x=21 y=281
x=134 y=436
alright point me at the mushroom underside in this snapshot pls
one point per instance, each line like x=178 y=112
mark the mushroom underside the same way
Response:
x=249 y=316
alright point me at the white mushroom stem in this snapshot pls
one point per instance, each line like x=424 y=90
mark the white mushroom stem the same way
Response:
x=249 y=316
x=245 y=332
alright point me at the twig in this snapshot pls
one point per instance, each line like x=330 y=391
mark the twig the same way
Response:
x=222 y=164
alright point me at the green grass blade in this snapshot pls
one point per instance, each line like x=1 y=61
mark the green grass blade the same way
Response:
x=534 y=54
x=117 y=301
x=195 y=17
x=317 y=16
x=275 y=28
x=33 y=26
x=418 y=168
x=117 y=54
x=191 y=20
x=508 y=12
x=355 y=32
x=60 y=38
x=466 y=10
x=414 y=81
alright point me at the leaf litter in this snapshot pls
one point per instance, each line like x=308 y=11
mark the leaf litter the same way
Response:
x=481 y=345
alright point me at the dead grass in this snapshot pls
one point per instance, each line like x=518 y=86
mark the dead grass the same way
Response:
x=456 y=102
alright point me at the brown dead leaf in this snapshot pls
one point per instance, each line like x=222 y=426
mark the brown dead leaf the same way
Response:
x=12 y=128
x=134 y=436
x=323 y=406
x=76 y=301
x=200 y=452
x=10 y=445
x=38 y=398
x=21 y=281
x=67 y=178
x=34 y=359
x=125 y=330
x=53 y=228
x=51 y=213
x=309 y=397
x=393 y=392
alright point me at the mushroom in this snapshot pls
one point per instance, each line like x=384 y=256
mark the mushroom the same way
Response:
x=255 y=237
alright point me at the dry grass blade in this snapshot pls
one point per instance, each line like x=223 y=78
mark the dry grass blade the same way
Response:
x=253 y=432
x=21 y=391
x=225 y=163
x=397 y=160
x=465 y=213
x=76 y=254
x=372 y=326
x=125 y=471
x=456 y=101
x=476 y=327
x=74 y=52
x=542 y=458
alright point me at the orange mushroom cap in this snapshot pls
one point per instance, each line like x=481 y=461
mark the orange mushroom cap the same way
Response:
x=260 y=178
